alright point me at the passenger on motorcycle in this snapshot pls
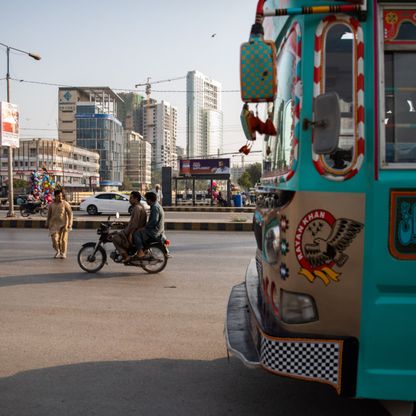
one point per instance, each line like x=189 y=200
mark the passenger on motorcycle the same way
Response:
x=124 y=239
x=155 y=227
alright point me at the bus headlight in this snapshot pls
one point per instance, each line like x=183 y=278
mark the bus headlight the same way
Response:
x=297 y=308
x=272 y=244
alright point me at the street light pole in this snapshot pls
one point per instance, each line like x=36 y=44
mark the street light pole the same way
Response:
x=10 y=155
x=61 y=151
x=10 y=213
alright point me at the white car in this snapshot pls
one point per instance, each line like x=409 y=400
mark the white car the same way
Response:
x=109 y=203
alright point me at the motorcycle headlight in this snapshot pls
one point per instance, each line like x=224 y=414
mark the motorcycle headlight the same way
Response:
x=297 y=308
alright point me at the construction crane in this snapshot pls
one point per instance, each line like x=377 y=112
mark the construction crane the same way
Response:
x=149 y=84
x=148 y=91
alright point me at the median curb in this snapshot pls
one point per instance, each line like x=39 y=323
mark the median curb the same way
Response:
x=169 y=225
x=174 y=209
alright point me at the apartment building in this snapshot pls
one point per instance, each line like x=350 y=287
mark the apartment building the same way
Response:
x=74 y=168
x=160 y=127
x=204 y=116
x=138 y=158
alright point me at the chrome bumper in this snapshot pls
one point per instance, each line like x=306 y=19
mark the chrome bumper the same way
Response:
x=259 y=341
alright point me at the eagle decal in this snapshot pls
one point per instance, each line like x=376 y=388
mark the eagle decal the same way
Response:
x=324 y=251
x=320 y=244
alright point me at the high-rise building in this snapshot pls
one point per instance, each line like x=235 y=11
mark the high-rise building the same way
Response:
x=180 y=151
x=204 y=116
x=128 y=111
x=160 y=127
x=88 y=118
x=137 y=158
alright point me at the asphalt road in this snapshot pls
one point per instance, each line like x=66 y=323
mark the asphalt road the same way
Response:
x=123 y=342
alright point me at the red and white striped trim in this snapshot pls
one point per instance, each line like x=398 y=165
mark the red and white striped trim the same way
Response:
x=318 y=88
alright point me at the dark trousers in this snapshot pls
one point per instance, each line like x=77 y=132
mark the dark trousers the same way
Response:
x=140 y=238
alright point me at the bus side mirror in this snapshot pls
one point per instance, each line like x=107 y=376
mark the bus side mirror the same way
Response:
x=258 y=68
x=327 y=124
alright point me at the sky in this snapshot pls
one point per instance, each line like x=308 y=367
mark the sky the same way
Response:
x=119 y=44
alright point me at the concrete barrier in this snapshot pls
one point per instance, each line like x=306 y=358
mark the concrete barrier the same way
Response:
x=173 y=209
x=169 y=225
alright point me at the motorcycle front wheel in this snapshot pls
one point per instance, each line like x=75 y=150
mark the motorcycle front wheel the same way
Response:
x=44 y=212
x=24 y=212
x=157 y=262
x=90 y=262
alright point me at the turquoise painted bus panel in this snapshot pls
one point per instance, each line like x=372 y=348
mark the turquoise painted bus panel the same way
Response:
x=387 y=358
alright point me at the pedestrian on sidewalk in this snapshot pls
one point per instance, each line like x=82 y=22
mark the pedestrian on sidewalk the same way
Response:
x=159 y=194
x=59 y=222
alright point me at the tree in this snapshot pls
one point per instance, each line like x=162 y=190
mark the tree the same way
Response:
x=244 y=180
x=127 y=186
x=156 y=176
x=254 y=171
x=20 y=184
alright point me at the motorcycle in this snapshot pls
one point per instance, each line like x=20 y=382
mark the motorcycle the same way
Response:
x=92 y=256
x=32 y=208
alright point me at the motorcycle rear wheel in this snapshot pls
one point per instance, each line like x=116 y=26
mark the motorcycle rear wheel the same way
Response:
x=24 y=212
x=158 y=260
x=90 y=262
x=44 y=212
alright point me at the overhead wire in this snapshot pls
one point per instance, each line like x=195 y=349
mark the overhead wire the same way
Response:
x=55 y=84
x=230 y=128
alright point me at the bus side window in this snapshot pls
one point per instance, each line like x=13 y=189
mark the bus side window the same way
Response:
x=399 y=87
x=339 y=78
x=338 y=50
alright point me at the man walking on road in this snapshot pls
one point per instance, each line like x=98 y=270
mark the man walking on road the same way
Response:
x=59 y=221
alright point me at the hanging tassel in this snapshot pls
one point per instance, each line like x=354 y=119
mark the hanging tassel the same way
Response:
x=246 y=148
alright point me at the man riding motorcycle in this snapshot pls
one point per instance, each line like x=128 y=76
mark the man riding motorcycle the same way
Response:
x=155 y=227
x=124 y=239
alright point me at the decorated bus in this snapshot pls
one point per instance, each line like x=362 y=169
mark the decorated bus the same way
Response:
x=330 y=294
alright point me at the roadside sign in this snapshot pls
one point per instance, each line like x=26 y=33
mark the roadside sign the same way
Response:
x=9 y=122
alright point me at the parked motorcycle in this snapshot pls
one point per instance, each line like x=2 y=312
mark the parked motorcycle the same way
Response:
x=92 y=256
x=32 y=208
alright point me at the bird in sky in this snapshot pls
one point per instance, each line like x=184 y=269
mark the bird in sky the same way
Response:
x=213 y=35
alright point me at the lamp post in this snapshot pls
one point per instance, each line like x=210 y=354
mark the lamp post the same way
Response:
x=61 y=151
x=10 y=156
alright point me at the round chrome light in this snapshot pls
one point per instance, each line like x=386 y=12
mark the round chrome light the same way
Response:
x=272 y=244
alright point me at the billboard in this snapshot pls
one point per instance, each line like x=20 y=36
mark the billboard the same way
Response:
x=207 y=167
x=9 y=119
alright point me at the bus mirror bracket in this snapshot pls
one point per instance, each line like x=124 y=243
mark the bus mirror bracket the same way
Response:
x=327 y=123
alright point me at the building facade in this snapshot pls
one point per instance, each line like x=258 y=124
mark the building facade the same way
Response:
x=160 y=129
x=138 y=159
x=180 y=152
x=75 y=168
x=128 y=111
x=88 y=118
x=204 y=116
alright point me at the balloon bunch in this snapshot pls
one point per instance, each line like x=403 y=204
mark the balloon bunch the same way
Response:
x=214 y=190
x=42 y=185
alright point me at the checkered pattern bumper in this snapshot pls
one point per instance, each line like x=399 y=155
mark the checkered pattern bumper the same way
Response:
x=329 y=360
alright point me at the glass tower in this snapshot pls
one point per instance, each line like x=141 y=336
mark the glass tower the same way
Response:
x=104 y=134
